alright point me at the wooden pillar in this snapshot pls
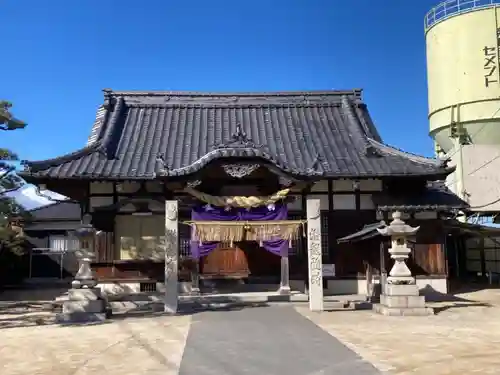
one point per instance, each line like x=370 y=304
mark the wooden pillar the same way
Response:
x=171 y=256
x=482 y=257
x=314 y=254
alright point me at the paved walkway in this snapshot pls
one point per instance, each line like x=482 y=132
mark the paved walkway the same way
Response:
x=265 y=340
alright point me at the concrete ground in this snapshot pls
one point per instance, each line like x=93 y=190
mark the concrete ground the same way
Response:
x=463 y=337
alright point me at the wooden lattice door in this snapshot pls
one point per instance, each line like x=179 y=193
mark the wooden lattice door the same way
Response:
x=225 y=262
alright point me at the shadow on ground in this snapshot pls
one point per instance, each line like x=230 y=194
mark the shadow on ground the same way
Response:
x=24 y=308
x=442 y=302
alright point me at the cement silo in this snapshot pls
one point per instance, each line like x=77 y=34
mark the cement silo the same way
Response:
x=463 y=72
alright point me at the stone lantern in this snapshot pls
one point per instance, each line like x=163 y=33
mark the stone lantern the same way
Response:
x=86 y=233
x=401 y=294
x=399 y=232
x=85 y=302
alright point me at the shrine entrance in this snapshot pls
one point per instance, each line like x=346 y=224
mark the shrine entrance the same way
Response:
x=245 y=260
x=225 y=262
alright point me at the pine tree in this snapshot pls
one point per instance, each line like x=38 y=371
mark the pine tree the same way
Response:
x=11 y=213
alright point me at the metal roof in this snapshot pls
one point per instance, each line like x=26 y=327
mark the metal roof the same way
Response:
x=142 y=135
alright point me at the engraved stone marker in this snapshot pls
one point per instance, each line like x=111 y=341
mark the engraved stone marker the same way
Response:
x=171 y=257
x=314 y=255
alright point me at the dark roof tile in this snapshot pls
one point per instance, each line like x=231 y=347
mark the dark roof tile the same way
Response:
x=328 y=133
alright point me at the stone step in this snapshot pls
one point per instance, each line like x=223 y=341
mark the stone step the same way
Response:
x=221 y=302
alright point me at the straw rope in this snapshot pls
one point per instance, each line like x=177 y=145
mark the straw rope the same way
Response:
x=238 y=201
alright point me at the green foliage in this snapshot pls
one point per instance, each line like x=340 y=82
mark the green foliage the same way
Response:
x=12 y=215
x=7 y=120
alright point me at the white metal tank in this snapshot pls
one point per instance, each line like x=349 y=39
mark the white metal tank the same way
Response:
x=463 y=71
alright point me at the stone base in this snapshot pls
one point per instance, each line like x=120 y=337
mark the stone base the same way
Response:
x=402 y=300
x=85 y=294
x=398 y=311
x=284 y=290
x=83 y=305
x=95 y=306
x=80 y=317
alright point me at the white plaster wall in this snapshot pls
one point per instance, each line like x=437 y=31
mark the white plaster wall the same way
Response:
x=124 y=288
x=370 y=185
x=343 y=185
x=101 y=188
x=323 y=198
x=100 y=202
x=320 y=187
x=128 y=187
x=343 y=202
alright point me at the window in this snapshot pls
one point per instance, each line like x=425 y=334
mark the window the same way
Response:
x=491 y=248
x=184 y=241
x=324 y=233
x=296 y=248
x=140 y=237
x=60 y=243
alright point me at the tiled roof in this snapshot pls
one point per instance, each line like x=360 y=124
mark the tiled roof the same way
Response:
x=367 y=232
x=142 y=135
x=436 y=197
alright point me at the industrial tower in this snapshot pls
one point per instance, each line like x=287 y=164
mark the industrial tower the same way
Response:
x=463 y=75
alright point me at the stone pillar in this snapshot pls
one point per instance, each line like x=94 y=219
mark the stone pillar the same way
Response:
x=195 y=278
x=401 y=295
x=285 y=276
x=171 y=257
x=314 y=255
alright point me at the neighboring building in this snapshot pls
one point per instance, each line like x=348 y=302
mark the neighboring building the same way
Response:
x=146 y=147
x=462 y=46
x=51 y=249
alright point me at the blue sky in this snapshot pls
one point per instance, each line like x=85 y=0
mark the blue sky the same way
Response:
x=58 y=55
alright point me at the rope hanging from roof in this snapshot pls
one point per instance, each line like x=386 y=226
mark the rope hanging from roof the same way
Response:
x=238 y=201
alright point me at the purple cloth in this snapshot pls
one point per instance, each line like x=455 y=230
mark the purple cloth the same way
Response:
x=276 y=246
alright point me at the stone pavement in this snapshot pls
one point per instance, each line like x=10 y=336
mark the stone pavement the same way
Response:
x=152 y=345
x=463 y=338
x=271 y=340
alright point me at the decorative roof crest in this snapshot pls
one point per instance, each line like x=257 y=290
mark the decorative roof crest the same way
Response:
x=160 y=165
x=240 y=139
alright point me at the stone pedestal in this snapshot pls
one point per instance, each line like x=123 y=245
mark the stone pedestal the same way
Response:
x=83 y=306
x=402 y=300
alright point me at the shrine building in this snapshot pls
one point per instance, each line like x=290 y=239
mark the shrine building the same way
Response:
x=224 y=181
